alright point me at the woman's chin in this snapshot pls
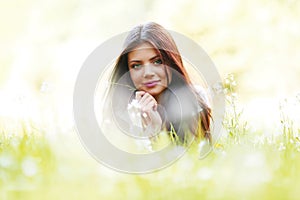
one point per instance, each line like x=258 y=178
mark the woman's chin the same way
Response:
x=154 y=91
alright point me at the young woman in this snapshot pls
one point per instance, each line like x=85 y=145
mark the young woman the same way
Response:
x=151 y=90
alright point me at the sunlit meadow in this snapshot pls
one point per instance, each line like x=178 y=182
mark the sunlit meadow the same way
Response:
x=255 y=47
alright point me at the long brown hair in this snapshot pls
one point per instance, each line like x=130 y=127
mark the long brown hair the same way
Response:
x=163 y=42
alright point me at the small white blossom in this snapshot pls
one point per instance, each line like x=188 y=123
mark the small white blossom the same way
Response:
x=6 y=161
x=281 y=147
x=29 y=167
x=205 y=173
x=134 y=111
x=46 y=87
x=218 y=88
x=145 y=144
x=227 y=81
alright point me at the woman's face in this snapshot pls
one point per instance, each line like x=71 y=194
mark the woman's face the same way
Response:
x=147 y=70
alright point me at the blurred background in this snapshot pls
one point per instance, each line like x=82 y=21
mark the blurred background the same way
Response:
x=43 y=44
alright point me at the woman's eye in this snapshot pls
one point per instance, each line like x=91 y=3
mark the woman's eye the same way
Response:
x=158 y=62
x=136 y=66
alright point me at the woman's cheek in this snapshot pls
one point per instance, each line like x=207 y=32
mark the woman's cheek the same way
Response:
x=137 y=83
x=135 y=79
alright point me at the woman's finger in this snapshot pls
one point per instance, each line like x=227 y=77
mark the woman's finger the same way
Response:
x=148 y=99
x=148 y=109
x=139 y=95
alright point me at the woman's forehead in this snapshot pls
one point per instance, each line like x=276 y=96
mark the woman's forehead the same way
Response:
x=144 y=50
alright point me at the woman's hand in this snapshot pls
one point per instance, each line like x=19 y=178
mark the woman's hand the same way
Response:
x=150 y=117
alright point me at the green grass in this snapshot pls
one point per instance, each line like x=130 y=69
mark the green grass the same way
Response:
x=243 y=165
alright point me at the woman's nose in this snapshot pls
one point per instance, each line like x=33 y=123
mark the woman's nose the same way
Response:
x=148 y=70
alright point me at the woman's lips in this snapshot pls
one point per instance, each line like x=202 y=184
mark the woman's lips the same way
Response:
x=151 y=84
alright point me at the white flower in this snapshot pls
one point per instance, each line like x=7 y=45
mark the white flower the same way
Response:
x=205 y=173
x=145 y=144
x=44 y=87
x=6 y=161
x=218 y=88
x=134 y=111
x=281 y=147
x=29 y=167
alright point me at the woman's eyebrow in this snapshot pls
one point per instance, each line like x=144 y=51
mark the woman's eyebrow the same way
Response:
x=134 y=61
x=152 y=58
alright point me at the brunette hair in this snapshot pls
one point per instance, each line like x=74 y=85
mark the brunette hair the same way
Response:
x=163 y=42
